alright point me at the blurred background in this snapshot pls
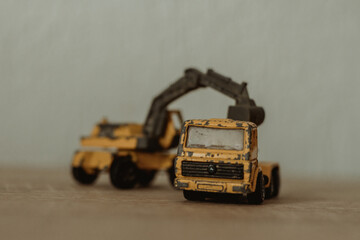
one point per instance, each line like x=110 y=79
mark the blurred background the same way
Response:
x=66 y=64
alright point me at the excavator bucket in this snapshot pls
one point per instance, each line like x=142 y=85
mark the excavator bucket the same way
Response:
x=247 y=113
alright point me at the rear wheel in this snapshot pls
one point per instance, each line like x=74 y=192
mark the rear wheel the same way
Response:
x=81 y=176
x=123 y=173
x=258 y=196
x=193 y=195
x=276 y=177
x=273 y=189
x=269 y=191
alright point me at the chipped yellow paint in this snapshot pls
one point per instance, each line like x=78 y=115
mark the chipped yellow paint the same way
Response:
x=252 y=181
x=170 y=132
x=78 y=157
x=95 y=131
x=154 y=161
x=210 y=185
x=247 y=157
x=220 y=154
x=90 y=161
x=121 y=142
x=266 y=168
x=247 y=164
x=128 y=130
x=100 y=150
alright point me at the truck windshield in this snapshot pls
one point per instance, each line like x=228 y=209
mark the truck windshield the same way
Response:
x=215 y=138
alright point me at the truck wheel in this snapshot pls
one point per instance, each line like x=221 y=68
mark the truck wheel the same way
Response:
x=258 y=196
x=123 y=173
x=81 y=176
x=171 y=173
x=273 y=189
x=146 y=177
x=276 y=177
x=193 y=195
x=269 y=191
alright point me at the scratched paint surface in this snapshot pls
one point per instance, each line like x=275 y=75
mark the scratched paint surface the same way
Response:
x=219 y=156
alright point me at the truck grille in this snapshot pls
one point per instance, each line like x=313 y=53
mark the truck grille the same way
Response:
x=206 y=169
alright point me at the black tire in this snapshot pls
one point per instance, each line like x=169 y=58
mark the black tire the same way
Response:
x=269 y=191
x=124 y=174
x=193 y=195
x=146 y=177
x=171 y=173
x=258 y=196
x=81 y=176
x=276 y=177
x=273 y=189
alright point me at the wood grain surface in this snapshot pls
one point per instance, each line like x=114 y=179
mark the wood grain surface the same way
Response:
x=48 y=204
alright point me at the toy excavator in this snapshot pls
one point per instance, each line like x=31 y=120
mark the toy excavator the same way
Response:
x=133 y=153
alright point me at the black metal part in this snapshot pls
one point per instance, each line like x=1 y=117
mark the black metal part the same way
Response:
x=247 y=113
x=107 y=129
x=222 y=170
x=212 y=169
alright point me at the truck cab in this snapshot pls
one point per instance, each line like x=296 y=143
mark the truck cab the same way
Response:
x=217 y=156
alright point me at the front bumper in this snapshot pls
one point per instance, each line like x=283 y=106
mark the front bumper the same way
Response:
x=233 y=187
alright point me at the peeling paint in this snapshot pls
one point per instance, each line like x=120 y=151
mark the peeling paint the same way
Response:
x=246 y=157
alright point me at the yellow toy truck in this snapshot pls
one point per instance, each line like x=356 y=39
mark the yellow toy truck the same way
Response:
x=133 y=153
x=220 y=156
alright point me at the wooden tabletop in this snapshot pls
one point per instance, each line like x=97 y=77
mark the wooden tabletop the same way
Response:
x=48 y=204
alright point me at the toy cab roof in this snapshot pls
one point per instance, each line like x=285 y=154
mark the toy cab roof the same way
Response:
x=220 y=123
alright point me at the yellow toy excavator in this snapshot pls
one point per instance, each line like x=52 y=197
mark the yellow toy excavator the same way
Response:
x=133 y=153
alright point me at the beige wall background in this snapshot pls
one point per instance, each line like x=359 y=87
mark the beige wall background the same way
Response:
x=65 y=64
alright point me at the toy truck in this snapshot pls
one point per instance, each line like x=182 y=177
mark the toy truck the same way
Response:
x=133 y=153
x=219 y=156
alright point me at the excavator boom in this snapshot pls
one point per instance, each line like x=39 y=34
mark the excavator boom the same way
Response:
x=244 y=109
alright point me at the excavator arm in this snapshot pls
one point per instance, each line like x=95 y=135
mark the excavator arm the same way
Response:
x=244 y=109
